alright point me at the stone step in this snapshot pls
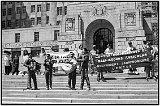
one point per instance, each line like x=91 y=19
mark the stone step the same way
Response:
x=92 y=96
x=66 y=90
x=81 y=100
x=118 y=89
x=93 y=87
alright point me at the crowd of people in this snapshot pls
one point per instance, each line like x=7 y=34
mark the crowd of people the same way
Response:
x=82 y=58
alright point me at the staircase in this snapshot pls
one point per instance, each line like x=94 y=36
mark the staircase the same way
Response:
x=119 y=88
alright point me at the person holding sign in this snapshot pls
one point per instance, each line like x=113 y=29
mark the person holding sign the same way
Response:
x=100 y=72
x=92 y=53
x=84 y=58
x=149 y=49
x=72 y=74
x=31 y=65
x=109 y=50
x=48 y=63
x=131 y=48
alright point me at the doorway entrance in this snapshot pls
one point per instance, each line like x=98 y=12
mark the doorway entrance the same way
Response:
x=102 y=37
x=100 y=32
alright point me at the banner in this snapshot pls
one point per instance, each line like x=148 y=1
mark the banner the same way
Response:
x=122 y=61
x=61 y=60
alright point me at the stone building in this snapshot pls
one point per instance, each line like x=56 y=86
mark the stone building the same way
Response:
x=57 y=25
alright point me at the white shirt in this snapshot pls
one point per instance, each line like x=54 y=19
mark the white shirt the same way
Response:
x=25 y=58
x=7 y=60
x=73 y=61
x=93 y=52
x=108 y=51
x=79 y=52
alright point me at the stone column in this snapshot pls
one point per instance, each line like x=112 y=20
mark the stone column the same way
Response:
x=53 y=18
x=43 y=14
x=63 y=9
x=35 y=23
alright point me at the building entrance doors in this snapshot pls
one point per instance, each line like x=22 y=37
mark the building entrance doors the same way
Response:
x=102 y=37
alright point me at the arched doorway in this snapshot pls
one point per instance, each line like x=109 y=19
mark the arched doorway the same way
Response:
x=100 y=32
x=102 y=37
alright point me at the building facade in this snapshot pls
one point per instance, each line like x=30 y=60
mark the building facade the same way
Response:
x=58 y=25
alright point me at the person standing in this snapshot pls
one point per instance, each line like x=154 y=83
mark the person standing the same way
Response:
x=80 y=50
x=131 y=48
x=15 y=65
x=149 y=50
x=31 y=65
x=84 y=58
x=109 y=50
x=72 y=74
x=92 y=65
x=24 y=57
x=7 y=63
x=48 y=63
x=100 y=71
x=42 y=56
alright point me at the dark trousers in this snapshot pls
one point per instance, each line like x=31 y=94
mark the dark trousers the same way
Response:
x=72 y=78
x=48 y=76
x=100 y=74
x=33 y=76
x=15 y=70
x=84 y=76
x=7 y=70
x=149 y=71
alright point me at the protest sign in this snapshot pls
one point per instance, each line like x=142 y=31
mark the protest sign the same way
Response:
x=122 y=61
x=62 y=60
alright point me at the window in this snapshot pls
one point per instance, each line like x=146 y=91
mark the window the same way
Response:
x=47 y=19
x=3 y=24
x=9 y=11
x=59 y=10
x=4 y=3
x=9 y=2
x=24 y=9
x=36 y=36
x=32 y=21
x=38 y=20
x=65 y=10
x=9 y=23
x=17 y=23
x=47 y=7
x=32 y=8
x=38 y=8
x=4 y=12
x=17 y=37
x=23 y=23
x=18 y=10
x=56 y=34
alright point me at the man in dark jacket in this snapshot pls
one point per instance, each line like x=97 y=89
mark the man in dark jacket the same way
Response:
x=15 y=65
x=84 y=72
x=48 y=63
x=31 y=64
